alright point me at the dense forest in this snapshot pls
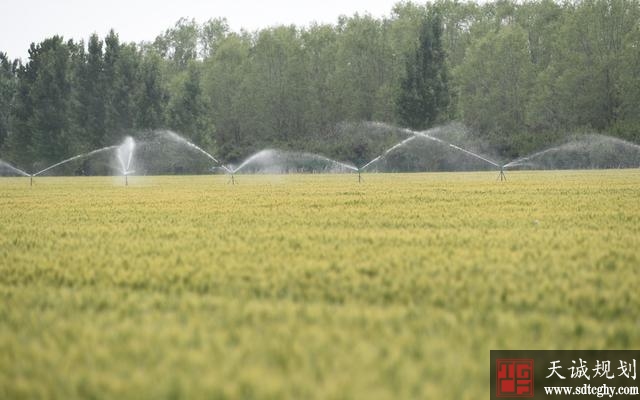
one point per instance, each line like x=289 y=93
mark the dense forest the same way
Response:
x=519 y=75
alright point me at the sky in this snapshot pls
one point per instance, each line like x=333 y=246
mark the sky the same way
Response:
x=25 y=21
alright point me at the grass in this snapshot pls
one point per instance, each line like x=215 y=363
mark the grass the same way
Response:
x=309 y=286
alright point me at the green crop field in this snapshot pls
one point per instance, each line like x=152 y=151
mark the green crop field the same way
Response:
x=308 y=286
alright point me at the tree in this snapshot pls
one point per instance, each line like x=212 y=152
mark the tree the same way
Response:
x=151 y=96
x=188 y=111
x=628 y=121
x=180 y=43
x=89 y=90
x=40 y=121
x=8 y=84
x=424 y=94
x=495 y=83
x=319 y=43
x=362 y=66
x=591 y=59
x=223 y=82
x=20 y=138
x=121 y=65
x=50 y=95
x=277 y=77
x=212 y=33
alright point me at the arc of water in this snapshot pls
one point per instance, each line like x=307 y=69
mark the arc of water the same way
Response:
x=389 y=150
x=479 y=157
x=131 y=145
x=253 y=157
x=528 y=160
x=453 y=146
x=226 y=169
x=523 y=160
x=75 y=158
x=124 y=154
x=273 y=152
x=371 y=162
x=12 y=168
x=427 y=136
x=179 y=138
x=330 y=160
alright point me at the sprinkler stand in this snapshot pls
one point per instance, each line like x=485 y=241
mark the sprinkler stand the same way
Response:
x=502 y=176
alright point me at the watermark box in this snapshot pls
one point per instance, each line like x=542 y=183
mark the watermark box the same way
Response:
x=560 y=374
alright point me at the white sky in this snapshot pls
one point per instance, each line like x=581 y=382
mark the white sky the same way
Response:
x=25 y=21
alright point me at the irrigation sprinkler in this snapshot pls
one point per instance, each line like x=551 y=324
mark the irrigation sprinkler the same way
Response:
x=126 y=177
x=502 y=176
x=231 y=172
x=124 y=154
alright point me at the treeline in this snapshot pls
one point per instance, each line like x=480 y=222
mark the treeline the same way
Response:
x=518 y=74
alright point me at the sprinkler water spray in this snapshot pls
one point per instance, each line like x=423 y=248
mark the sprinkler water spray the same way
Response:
x=383 y=155
x=124 y=154
x=501 y=176
x=274 y=160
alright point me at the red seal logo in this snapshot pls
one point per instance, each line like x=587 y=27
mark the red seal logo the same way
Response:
x=514 y=377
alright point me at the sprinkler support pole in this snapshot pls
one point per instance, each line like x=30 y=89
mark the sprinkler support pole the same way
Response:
x=359 y=176
x=30 y=180
x=502 y=175
x=126 y=180
x=232 y=173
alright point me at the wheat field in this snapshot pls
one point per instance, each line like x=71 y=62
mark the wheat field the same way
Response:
x=308 y=286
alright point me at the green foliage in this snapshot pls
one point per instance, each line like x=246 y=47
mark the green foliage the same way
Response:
x=180 y=43
x=424 y=94
x=121 y=63
x=187 y=110
x=151 y=96
x=518 y=73
x=90 y=88
x=40 y=123
x=495 y=82
x=7 y=92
